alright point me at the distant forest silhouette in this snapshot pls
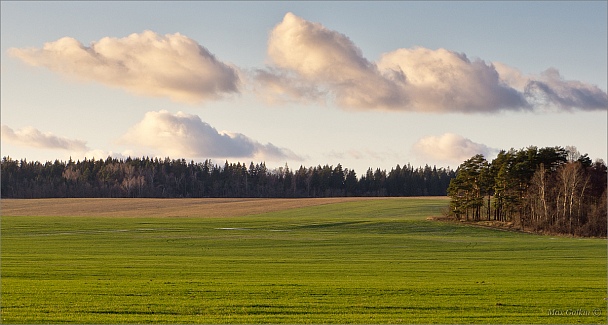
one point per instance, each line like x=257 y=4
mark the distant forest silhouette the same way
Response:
x=176 y=178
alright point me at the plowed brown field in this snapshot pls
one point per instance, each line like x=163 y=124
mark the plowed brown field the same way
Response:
x=204 y=208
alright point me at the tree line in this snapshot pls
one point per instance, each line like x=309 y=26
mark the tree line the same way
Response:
x=176 y=178
x=551 y=190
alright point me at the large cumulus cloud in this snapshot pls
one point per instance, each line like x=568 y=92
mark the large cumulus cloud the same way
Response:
x=442 y=80
x=311 y=62
x=185 y=135
x=172 y=65
x=32 y=137
x=450 y=148
x=322 y=61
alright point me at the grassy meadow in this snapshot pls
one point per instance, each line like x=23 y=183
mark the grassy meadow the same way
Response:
x=354 y=261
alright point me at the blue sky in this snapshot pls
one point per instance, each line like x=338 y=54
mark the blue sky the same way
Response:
x=364 y=84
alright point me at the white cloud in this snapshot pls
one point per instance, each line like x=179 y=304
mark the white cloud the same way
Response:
x=450 y=148
x=326 y=61
x=185 y=135
x=551 y=90
x=442 y=80
x=32 y=137
x=511 y=76
x=311 y=62
x=173 y=65
x=276 y=86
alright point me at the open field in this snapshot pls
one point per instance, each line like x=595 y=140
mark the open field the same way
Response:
x=323 y=261
x=200 y=208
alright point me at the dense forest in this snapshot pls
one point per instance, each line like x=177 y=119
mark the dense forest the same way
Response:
x=553 y=189
x=550 y=190
x=169 y=178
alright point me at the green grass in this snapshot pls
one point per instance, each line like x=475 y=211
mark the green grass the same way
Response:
x=357 y=262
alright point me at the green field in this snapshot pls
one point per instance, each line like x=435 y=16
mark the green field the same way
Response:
x=373 y=261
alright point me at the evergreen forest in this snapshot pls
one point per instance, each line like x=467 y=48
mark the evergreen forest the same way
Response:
x=176 y=178
x=549 y=190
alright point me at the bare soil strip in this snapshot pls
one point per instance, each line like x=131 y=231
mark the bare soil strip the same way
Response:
x=202 y=208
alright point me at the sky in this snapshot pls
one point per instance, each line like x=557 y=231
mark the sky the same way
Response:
x=361 y=84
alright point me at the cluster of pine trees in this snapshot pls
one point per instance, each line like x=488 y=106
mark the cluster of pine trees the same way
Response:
x=169 y=178
x=552 y=190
